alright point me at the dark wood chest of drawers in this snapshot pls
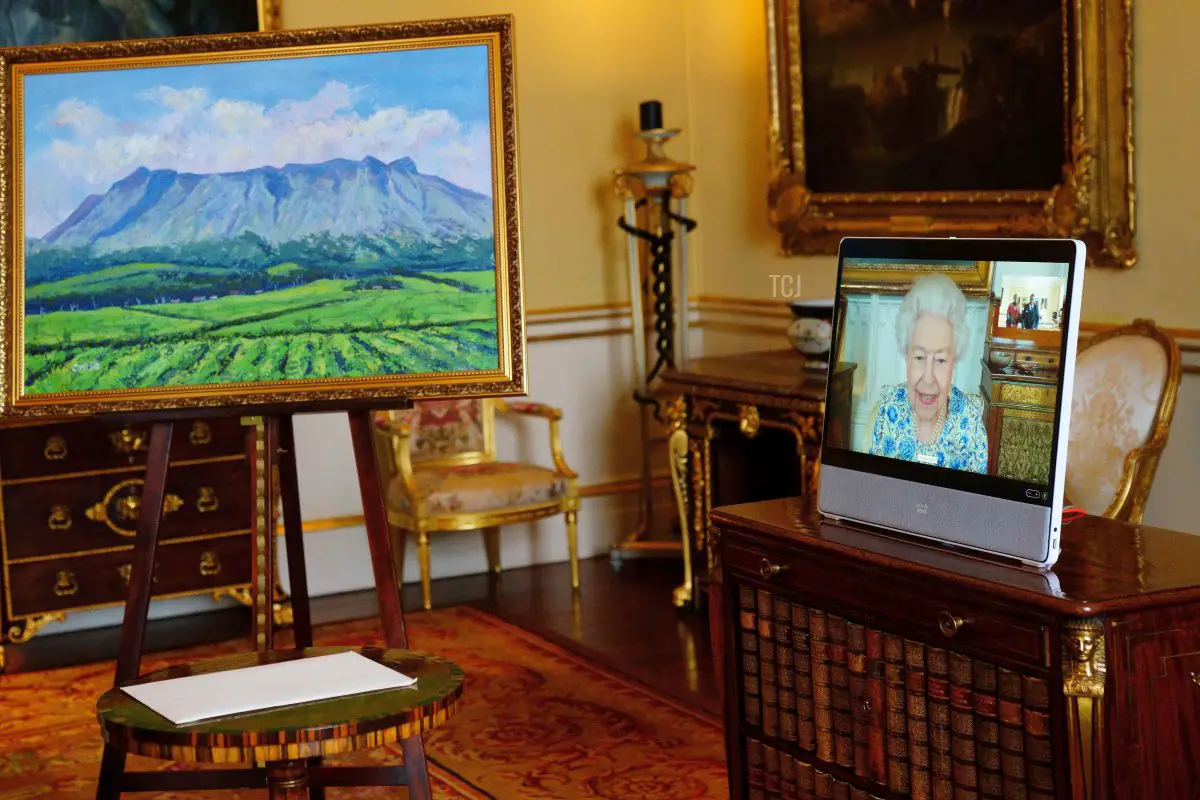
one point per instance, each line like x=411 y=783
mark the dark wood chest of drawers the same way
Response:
x=70 y=500
x=859 y=665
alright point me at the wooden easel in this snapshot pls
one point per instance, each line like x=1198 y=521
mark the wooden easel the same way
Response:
x=279 y=450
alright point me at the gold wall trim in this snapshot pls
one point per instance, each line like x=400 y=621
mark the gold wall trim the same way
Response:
x=774 y=308
x=761 y=311
x=592 y=334
x=604 y=489
x=627 y=486
x=764 y=308
x=739 y=327
x=588 y=311
x=597 y=311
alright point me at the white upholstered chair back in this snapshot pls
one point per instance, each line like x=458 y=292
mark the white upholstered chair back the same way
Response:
x=1122 y=405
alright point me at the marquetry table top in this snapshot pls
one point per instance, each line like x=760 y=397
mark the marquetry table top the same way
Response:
x=326 y=727
x=767 y=372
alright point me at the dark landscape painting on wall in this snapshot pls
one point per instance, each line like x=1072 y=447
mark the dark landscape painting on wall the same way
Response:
x=31 y=22
x=933 y=95
x=228 y=225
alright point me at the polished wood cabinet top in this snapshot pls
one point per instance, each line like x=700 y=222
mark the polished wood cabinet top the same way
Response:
x=780 y=372
x=1105 y=566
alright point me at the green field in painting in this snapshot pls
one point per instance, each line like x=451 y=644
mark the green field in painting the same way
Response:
x=324 y=329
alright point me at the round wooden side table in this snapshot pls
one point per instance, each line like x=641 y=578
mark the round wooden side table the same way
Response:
x=286 y=739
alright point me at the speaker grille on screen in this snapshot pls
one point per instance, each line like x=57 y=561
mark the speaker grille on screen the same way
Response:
x=1002 y=527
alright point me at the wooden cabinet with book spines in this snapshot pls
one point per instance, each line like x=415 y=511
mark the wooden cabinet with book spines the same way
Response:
x=839 y=684
x=904 y=718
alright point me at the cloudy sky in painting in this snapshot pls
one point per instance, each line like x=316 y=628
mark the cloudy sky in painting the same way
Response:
x=84 y=131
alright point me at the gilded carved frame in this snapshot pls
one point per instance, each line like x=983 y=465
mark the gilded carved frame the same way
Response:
x=508 y=378
x=1094 y=202
x=974 y=279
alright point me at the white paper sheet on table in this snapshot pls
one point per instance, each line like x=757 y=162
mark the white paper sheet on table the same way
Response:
x=219 y=694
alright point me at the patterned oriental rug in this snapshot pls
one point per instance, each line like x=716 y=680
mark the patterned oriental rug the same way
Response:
x=536 y=722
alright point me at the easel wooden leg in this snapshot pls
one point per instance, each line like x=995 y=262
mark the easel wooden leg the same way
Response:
x=414 y=765
x=293 y=534
x=387 y=582
x=137 y=606
x=281 y=443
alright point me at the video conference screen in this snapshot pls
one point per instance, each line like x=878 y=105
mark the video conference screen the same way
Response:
x=956 y=364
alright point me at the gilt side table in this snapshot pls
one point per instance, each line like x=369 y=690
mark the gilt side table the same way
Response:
x=286 y=739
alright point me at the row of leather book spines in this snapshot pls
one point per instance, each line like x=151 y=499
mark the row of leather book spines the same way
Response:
x=872 y=702
x=774 y=775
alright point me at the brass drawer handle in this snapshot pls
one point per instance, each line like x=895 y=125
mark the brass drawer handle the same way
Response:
x=768 y=570
x=126 y=571
x=66 y=585
x=209 y=564
x=59 y=519
x=951 y=624
x=128 y=441
x=200 y=434
x=1196 y=678
x=56 y=448
x=207 y=501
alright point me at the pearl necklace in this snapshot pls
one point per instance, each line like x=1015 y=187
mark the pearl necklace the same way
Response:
x=938 y=425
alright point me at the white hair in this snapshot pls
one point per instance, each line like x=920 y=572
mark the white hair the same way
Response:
x=933 y=294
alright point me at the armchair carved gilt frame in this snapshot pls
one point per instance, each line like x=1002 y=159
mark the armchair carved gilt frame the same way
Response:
x=1094 y=200
x=446 y=477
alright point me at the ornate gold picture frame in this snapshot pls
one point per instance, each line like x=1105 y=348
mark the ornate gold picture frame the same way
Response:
x=1090 y=198
x=862 y=276
x=269 y=220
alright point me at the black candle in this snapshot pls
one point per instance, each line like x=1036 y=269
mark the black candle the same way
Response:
x=651 y=115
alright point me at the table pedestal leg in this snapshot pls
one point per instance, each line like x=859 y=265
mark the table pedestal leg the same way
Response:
x=287 y=780
x=414 y=765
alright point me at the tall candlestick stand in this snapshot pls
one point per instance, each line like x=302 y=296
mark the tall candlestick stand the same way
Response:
x=655 y=191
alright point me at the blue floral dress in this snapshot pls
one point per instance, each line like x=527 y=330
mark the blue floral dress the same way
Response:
x=962 y=443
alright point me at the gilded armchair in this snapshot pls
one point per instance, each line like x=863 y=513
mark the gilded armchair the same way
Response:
x=438 y=462
x=1122 y=404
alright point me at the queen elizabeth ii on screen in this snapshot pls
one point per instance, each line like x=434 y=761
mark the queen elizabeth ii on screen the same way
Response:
x=927 y=418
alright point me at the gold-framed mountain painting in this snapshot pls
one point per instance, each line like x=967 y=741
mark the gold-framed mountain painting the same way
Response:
x=264 y=219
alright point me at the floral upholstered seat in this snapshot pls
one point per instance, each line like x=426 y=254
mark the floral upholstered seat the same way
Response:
x=1122 y=405
x=439 y=462
x=477 y=488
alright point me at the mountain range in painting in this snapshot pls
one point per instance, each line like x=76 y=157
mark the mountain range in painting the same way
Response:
x=179 y=278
